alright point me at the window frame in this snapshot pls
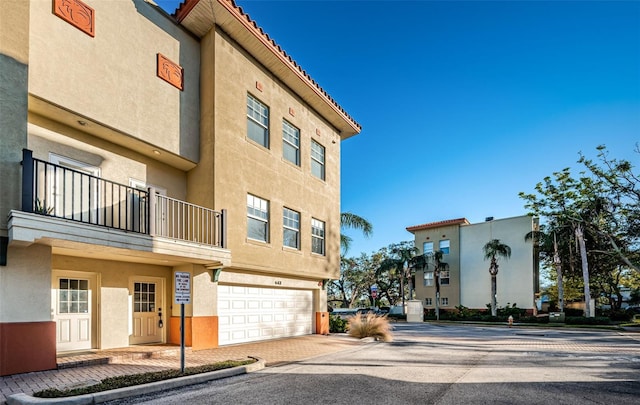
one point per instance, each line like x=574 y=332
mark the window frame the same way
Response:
x=286 y=128
x=424 y=250
x=315 y=162
x=315 y=236
x=444 y=301
x=425 y=278
x=253 y=217
x=252 y=102
x=286 y=228
x=444 y=249
x=447 y=278
x=428 y=301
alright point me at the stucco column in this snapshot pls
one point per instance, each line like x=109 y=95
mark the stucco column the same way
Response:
x=14 y=75
x=27 y=331
x=201 y=324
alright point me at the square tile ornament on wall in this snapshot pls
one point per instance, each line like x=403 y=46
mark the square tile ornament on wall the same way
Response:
x=76 y=13
x=170 y=72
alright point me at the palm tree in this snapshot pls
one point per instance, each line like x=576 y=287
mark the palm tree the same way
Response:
x=493 y=250
x=353 y=221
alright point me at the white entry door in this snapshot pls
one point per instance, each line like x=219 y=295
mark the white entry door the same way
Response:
x=72 y=308
x=148 y=311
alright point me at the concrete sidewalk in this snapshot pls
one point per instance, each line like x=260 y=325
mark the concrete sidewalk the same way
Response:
x=78 y=368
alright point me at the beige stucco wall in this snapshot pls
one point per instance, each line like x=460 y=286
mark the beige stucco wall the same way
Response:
x=115 y=295
x=116 y=163
x=452 y=290
x=515 y=280
x=27 y=278
x=71 y=69
x=14 y=59
x=233 y=166
x=203 y=291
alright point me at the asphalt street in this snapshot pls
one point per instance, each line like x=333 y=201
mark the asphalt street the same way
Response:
x=444 y=364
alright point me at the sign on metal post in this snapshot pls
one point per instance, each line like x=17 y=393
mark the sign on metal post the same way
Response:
x=182 y=285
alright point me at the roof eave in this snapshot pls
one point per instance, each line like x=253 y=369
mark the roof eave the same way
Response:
x=200 y=17
x=439 y=224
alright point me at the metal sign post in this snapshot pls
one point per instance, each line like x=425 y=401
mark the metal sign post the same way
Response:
x=182 y=296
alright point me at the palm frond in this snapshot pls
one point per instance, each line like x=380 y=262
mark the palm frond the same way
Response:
x=353 y=221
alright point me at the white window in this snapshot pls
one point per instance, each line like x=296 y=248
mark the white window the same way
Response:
x=444 y=246
x=144 y=297
x=317 y=236
x=428 y=301
x=444 y=277
x=291 y=228
x=257 y=121
x=73 y=296
x=317 y=160
x=444 y=301
x=291 y=143
x=427 y=248
x=257 y=218
x=428 y=278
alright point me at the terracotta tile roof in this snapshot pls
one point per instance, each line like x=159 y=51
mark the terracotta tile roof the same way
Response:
x=439 y=224
x=187 y=5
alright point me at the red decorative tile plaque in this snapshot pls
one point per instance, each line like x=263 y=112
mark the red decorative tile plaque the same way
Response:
x=170 y=72
x=76 y=13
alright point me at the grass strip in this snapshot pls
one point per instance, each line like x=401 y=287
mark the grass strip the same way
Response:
x=123 y=381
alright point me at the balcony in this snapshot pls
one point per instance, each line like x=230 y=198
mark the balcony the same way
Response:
x=77 y=212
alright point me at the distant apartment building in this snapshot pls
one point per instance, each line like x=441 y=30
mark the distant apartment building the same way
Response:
x=467 y=281
x=136 y=145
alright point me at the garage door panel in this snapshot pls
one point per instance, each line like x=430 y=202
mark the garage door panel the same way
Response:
x=251 y=313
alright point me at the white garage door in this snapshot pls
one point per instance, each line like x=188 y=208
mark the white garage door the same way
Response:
x=248 y=314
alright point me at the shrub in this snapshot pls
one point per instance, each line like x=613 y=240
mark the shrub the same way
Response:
x=370 y=325
x=573 y=312
x=534 y=319
x=337 y=324
x=619 y=315
x=581 y=320
x=397 y=317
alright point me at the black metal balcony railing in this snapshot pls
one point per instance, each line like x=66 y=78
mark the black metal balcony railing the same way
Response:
x=61 y=192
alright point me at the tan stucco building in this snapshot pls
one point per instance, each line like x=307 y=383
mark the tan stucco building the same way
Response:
x=136 y=145
x=467 y=281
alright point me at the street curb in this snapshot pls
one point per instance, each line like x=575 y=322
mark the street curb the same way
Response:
x=104 y=396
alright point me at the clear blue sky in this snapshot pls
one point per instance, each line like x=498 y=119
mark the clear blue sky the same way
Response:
x=463 y=104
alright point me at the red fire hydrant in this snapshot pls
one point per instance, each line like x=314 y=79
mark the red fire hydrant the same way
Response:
x=510 y=320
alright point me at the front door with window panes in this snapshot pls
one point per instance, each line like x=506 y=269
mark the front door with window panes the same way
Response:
x=72 y=313
x=147 y=311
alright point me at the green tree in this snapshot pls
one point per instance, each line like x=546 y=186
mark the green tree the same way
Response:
x=493 y=250
x=563 y=200
x=602 y=209
x=398 y=265
x=549 y=247
x=356 y=277
x=618 y=217
x=349 y=220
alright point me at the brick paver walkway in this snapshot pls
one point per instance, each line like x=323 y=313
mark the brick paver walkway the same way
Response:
x=97 y=365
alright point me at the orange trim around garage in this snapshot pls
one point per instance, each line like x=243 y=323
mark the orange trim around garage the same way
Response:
x=174 y=330
x=322 y=323
x=200 y=332
x=205 y=332
x=27 y=347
